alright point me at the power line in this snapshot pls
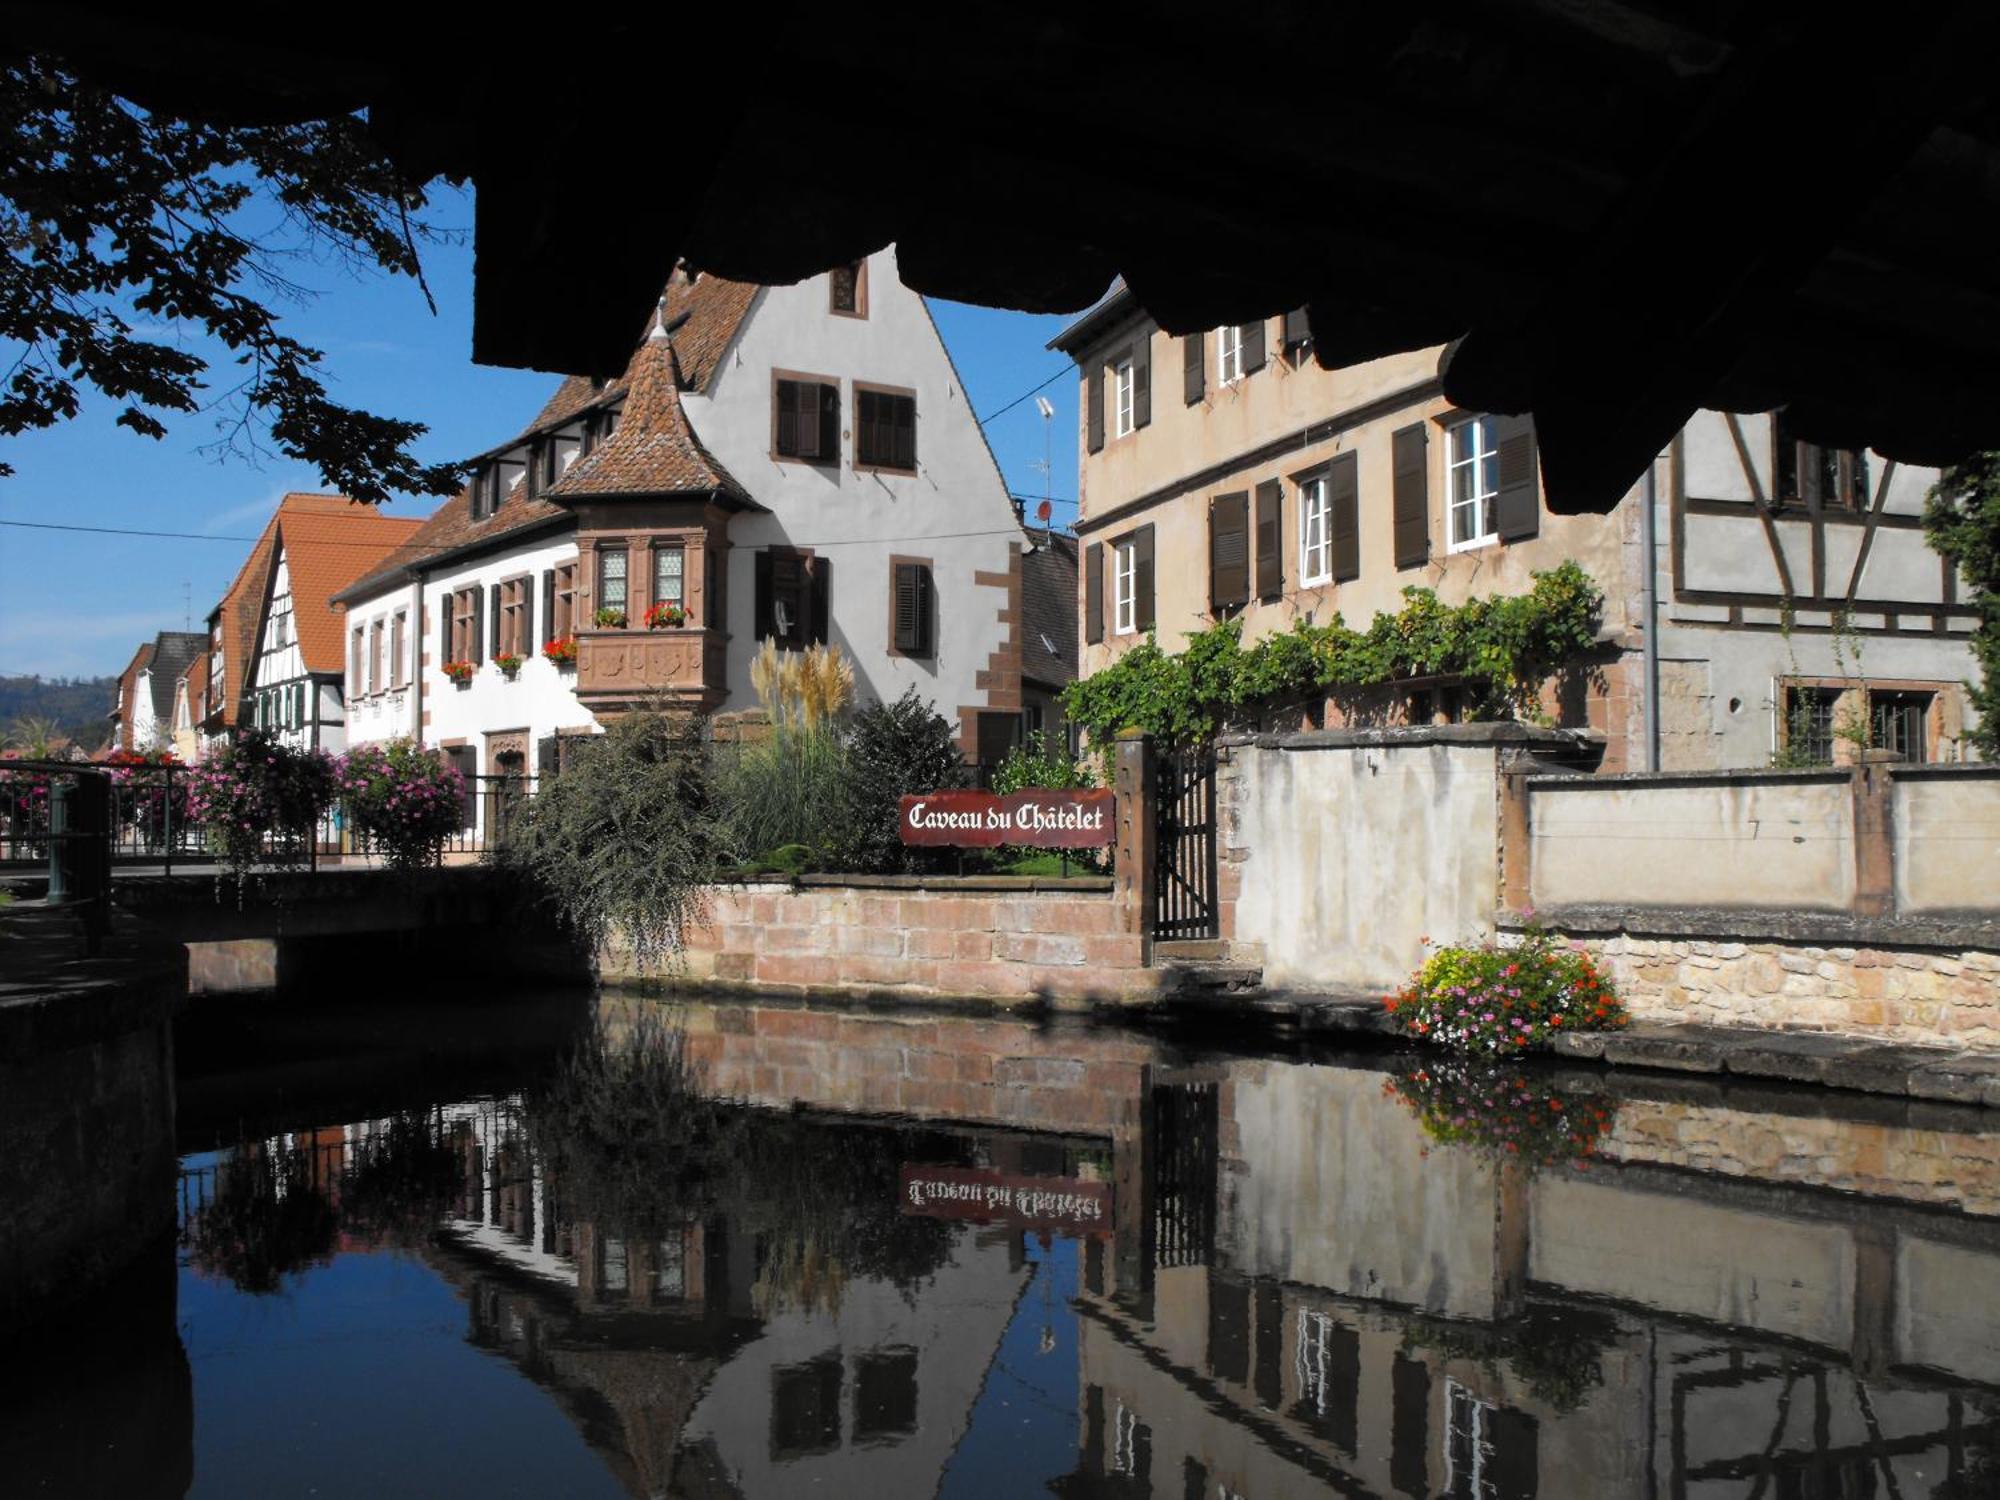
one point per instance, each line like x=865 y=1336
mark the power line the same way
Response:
x=1026 y=394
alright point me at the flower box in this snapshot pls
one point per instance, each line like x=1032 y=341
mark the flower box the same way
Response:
x=508 y=662
x=610 y=619
x=666 y=617
x=460 y=672
x=561 y=652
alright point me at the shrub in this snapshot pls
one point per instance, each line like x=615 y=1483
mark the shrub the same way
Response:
x=894 y=750
x=622 y=842
x=1044 y=760
x=260 y=801
x=1497 y=1001
x=404 y=799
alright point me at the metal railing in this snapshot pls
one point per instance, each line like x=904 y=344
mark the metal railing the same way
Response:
x=149 y=822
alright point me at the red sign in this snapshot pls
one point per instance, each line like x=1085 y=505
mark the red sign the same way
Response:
x=1001 y=1198
x=1048 y=820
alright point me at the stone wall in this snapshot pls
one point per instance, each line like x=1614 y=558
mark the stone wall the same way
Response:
x=1926 y=996
x=1011 y=941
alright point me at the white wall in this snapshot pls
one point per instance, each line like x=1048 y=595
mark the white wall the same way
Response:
x=280 y=665
x=859 y=520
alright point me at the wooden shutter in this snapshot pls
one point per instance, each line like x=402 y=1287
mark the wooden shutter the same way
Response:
x=766 y=617
x=1093 y=403
x=498 y=617
x=445 y=612
x=903 y=410
x=1297 y=331
x=527 y=646
x=1228 y=552
x=819 y=596
x=913 y=609
x=1517 y=510
x=806 y=396
x=788 y=418
x=549 y=601
x=475 y=649
x=1411 y=500
x=1142 y=578
x=1343 y=494
x=829 y=420
x=1093 y=593
x=1253 y=346
x=1270 y=540
x=1194 y=367
x=1142 y=379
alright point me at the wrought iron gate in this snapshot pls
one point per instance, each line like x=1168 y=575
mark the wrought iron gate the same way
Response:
x=1184 y=867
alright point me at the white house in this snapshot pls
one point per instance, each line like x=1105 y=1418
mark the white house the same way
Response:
x=797 y=464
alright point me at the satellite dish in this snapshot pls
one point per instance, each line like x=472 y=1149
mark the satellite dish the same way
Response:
x=1044 y=511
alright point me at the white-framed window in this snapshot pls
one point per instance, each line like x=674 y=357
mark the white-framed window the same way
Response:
x=1315 y=532
x=1125 y=587
x=1229 y=354
x=1472 y=482
x=1121 y=378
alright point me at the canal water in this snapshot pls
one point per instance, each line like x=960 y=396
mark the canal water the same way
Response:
x=707 y=1250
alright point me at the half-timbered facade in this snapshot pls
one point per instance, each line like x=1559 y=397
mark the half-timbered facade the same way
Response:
x=1227 y=475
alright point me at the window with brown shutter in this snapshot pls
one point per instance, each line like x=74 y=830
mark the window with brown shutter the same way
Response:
x=1228 y=553
x=562 y=617
x=1142 y=378
x=1142 y=549
x=1270 y=540
x=1093 y=407
x=885 y=429
x=805 y=419
x=1093 y=593
x=1298 y=337
x=399 y=648
x=375 y=657
x=1517 y=505
x=1344 y=516
x=791 y=601
x=910 y=606
x=1410 y=500
x=1194 y=368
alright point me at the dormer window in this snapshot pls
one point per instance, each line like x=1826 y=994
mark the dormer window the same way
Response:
x=485 y=491
x=551 y=461
x=534 y=468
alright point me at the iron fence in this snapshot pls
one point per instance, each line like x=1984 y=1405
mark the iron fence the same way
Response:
x=150 y=825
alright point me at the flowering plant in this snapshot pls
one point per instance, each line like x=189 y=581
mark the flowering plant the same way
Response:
x=562 y=652
x=609 y=618
x=665 y=616
x=407 y=800
x=508 y=662
x=459 y=672
x=1492 y=1000
x=1501 y=1112
x=151 y=791
x=258 y=800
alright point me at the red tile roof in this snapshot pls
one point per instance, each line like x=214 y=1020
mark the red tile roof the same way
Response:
x=451 y=529
x=653 y=451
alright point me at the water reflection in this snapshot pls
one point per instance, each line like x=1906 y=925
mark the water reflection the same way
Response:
x=777 y=1251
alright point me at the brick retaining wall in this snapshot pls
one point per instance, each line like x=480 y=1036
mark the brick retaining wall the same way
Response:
x=972 y=939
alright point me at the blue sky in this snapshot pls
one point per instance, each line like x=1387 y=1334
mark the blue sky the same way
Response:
x=74 y=604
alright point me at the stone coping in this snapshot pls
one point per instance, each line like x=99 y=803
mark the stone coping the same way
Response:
x=1498 y=732
x=949 y=884
x=1731 y=924
x=1931 y=1074
x=1755 y=776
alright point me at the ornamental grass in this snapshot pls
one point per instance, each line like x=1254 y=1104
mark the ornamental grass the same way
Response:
x=1492 y=1001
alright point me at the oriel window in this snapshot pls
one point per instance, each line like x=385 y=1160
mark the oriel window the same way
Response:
x=611 y=578
x=670 y=575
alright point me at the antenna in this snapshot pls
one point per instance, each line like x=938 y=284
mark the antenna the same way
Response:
x=187 y=606
x=1047 y=465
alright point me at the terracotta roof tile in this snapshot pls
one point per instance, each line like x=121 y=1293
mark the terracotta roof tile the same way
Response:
x=653 y=451
x=703 y=314
x=325 y=551
x=450 y=529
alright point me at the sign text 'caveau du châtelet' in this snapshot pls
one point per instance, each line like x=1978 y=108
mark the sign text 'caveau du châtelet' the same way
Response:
x=1044 y=819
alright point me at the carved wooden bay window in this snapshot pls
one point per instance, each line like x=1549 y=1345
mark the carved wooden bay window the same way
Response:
x=635 y=557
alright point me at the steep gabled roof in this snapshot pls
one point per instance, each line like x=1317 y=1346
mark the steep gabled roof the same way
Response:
x=1048 y=609
x=702 y=315
x=326 y=550
x=654 y=451
x=173 y=650
x=451 y=529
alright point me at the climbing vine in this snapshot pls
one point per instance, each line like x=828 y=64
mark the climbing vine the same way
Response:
x=1505 y=647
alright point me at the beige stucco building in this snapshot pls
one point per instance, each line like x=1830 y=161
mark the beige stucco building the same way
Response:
x=1228 y=474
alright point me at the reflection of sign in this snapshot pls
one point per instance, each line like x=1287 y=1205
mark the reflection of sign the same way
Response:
x=1000 y=1198
x=1049 y=820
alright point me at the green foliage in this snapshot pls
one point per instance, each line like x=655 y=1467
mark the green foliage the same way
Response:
x=1499 y=1001
x=894 y=750
x=622 y=843
x=36 y=711
x=1558 y=1352
x=1043 y=760
x=1505 y=646
x=1962 y=517
x=113 y=217
x=790 y=788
